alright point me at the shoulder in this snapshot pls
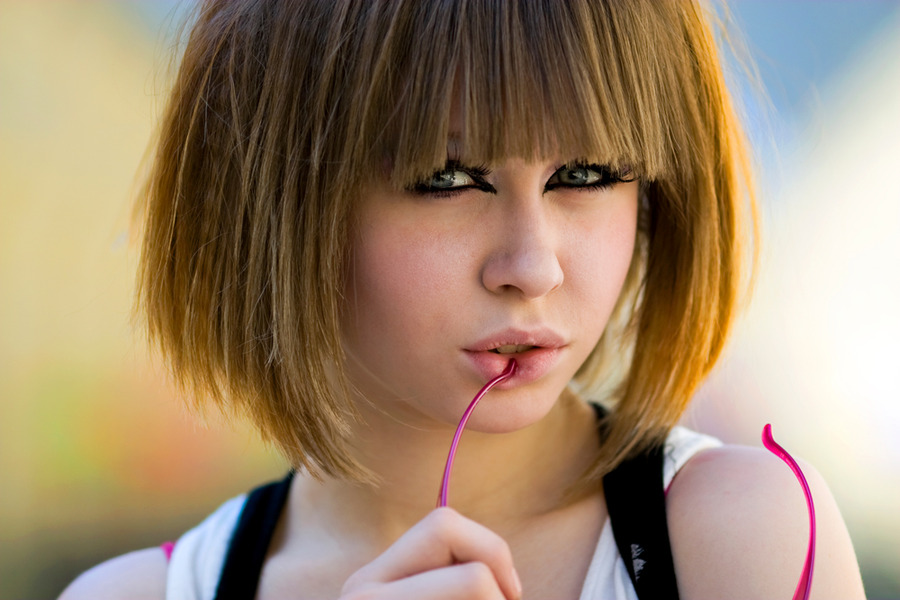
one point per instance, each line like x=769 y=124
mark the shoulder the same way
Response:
x=740 y=528
x=139 y=575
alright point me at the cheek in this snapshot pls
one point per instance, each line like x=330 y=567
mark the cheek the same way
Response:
x=396 y=280
x=600 y=257
x=608 y=240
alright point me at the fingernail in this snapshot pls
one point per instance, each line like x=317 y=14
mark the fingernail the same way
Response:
x=517 y=583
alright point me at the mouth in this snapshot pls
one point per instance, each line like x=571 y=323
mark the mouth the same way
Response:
x=513 y=348
x=537 y=352
x=515 y=341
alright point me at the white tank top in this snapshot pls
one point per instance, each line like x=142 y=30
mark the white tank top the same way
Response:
x=196 y=563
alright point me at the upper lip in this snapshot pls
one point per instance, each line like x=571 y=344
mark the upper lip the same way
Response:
x=542 y=338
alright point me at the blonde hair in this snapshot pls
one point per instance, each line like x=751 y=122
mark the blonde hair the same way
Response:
x=282 y=109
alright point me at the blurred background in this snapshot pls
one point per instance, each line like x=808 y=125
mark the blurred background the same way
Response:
x=97 y=454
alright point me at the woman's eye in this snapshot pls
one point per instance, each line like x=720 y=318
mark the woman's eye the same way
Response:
x=586 y=176
x=578 y=176
x=449 y=179
x=453 y=178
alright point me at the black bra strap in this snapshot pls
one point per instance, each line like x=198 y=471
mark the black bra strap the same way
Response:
x=250 y=541
x=636 y=501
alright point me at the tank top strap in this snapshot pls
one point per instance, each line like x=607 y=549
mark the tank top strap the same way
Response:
x=250 y=543
x=635 y=493
x=636 y=502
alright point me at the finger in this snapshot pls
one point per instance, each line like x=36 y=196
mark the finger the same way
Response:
x=442 y=539
x=468 y=581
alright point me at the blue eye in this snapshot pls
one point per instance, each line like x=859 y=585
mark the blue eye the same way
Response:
x=586 y=176
x=449 y=179
x=454 y=177
x=577 y=176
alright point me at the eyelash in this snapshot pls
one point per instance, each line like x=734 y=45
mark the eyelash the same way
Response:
x=476 y=172
x=607 y=178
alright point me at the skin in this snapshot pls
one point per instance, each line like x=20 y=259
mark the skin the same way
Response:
x=435 y=276
x=431 y=275
x=739 y=528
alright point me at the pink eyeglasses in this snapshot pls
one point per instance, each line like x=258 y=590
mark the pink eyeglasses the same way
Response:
x=445 y=482
x=805 y=584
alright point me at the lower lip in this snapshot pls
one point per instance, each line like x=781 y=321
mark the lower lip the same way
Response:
x=530 y=365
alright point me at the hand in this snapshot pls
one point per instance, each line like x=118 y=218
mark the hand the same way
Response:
x=444 y=556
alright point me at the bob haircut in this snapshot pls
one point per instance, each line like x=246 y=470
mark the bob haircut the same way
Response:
x=282 y=109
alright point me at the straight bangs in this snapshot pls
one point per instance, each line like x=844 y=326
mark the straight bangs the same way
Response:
x=484 y=81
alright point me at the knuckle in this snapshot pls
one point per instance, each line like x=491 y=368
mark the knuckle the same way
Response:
x=444 y=522
x=478 y=579
x=498 y=550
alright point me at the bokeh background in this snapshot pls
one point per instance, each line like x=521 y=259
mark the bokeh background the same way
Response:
x=97 y=455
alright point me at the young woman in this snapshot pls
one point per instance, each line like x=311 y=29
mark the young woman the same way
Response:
x=360 y=211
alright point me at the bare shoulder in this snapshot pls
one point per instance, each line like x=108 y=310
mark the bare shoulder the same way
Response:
x=740 y=528
x=139 y=575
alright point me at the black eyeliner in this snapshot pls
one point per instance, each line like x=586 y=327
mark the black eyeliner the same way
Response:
x=476 y=172
x=608 y=177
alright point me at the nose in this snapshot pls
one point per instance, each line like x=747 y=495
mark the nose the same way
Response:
x=524 y=256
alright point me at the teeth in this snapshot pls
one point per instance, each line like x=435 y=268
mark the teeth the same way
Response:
x=512 y=348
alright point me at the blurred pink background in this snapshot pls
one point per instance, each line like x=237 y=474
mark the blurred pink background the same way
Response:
x=97 y=454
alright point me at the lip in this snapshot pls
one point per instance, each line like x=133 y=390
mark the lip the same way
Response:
x=532 y=364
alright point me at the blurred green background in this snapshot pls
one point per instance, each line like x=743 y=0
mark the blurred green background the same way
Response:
x=97 y=454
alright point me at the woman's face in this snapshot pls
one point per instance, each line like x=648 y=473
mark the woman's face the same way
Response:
x=457 y=274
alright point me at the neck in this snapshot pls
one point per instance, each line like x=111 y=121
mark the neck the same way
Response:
x=500 y=480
